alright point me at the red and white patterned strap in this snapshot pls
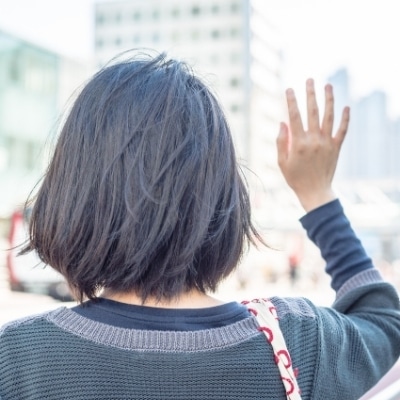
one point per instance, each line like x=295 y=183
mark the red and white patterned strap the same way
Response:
x=266 y=315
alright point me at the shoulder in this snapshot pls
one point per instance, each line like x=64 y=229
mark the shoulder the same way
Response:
x=26 y=323
x=296 y=307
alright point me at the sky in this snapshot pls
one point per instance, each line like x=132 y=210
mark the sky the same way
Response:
x=318 y=37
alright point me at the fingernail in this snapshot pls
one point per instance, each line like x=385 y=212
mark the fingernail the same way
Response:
x=282 y=129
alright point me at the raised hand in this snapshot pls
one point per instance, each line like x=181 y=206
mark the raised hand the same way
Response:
x=308 y=158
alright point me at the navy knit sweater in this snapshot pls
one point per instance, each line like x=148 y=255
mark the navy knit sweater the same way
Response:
x=105 y=350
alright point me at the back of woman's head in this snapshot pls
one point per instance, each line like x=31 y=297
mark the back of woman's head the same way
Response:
x=143 y=192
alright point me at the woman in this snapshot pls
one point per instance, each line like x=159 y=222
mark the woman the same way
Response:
x=144 y=211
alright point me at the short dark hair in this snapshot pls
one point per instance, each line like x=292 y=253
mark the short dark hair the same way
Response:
x=143 y=191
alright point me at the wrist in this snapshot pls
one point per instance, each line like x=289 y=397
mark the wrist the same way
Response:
x=315 y=199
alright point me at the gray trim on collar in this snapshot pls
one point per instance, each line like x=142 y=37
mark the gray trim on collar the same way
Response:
x=149 y=340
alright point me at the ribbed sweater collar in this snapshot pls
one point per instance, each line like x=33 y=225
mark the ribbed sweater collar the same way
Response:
x=149 y=340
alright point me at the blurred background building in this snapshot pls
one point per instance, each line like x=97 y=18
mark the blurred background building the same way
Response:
x=368 y=175
x=236 y=48
x=34 y=86
x=370 y=151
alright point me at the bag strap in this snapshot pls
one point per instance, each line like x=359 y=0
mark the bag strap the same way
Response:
x=265 y=313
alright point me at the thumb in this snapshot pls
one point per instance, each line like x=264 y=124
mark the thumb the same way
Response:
x=282 y=143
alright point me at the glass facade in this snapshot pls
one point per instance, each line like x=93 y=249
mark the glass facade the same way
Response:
x=28 y=111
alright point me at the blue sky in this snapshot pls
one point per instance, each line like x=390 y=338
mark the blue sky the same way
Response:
x=319 y=36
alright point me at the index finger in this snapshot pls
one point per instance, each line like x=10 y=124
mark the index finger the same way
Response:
x=296 y=124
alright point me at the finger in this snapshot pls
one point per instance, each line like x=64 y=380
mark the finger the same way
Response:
x=344 y=124
x=282 y=143
x=327 y=122
x=312 y=107
x=296 y=124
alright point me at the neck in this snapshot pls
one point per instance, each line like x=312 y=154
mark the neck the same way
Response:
x=192 y=299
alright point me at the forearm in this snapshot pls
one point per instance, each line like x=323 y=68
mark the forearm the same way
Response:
x=328 y=227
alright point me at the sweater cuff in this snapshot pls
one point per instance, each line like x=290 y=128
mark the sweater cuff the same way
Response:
x=366 y=277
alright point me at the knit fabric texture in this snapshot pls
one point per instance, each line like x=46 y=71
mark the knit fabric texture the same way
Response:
x=338 y=352
x=62 y=355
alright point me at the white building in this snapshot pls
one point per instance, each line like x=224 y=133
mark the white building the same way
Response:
x=232 y=44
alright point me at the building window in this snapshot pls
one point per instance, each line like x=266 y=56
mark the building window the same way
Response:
x=100 y=19
x=234 y=108
x=234 y=82
x=136 y=16
x=195 y=10
x=175 y=12
x=22 y=154
x=38 y=75
x=99 y=43
x=215 y=9
x=156 y=14
x=156 y=37
x=14 y=72
x=215 y=34
x=118 y=41
x=118 y=17
x=195 y=35
x=235 y=7
x=234 y=32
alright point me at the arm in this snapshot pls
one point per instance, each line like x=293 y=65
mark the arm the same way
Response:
x=330 y=230
x=358 y=339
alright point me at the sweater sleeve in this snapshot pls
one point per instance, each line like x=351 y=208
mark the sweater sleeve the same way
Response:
x=359 y=337
x=328 y=227
x=358 y=342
